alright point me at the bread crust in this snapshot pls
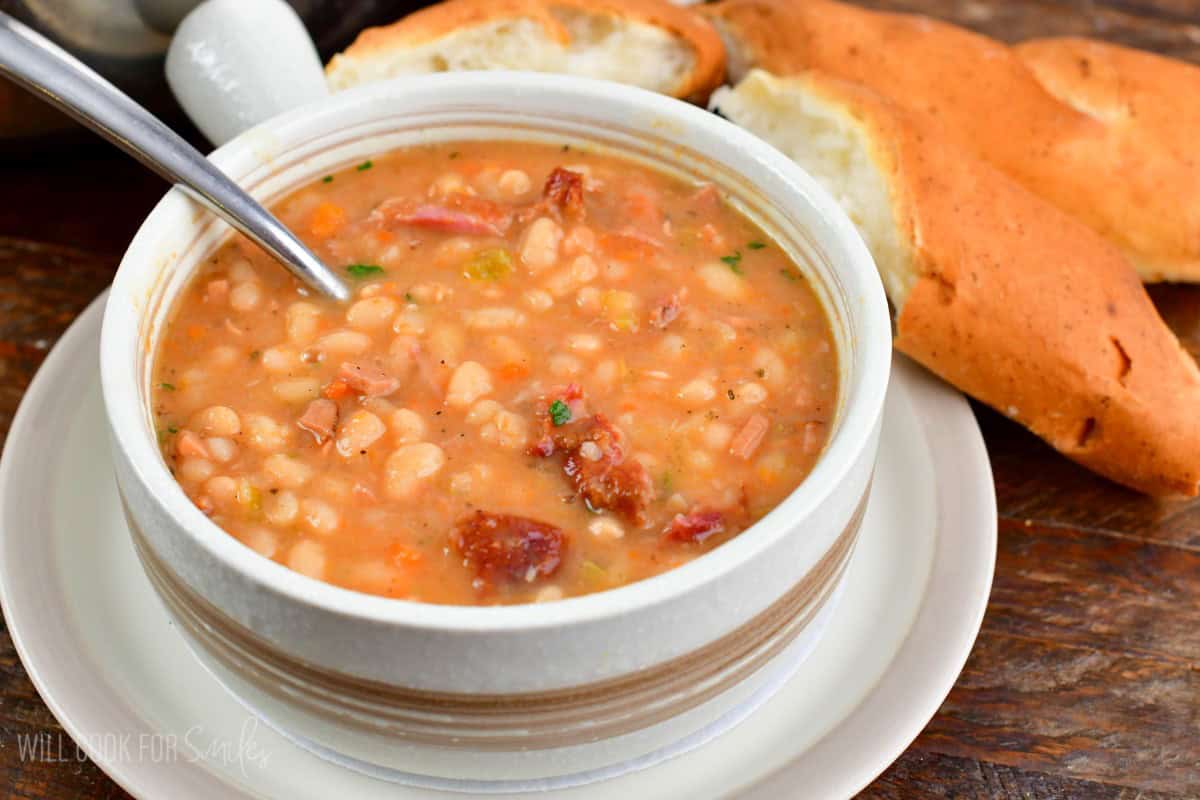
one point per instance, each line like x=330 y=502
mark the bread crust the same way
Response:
x=1130 y=187
x=1025 y=308
x=434 y=22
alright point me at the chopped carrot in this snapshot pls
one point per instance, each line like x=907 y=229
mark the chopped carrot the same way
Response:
x=512 y=371
x=326 y=219
x=624 y=247
x=337 y=389
x=402 y=555
x=384 y=235
x=195 y=331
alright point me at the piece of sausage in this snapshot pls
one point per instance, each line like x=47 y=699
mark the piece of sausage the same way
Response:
x=695 y=526
x=508 y=547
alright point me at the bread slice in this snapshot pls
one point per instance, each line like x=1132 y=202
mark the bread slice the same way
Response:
x=1090 y=161
x=995 y=290
x=647 y=43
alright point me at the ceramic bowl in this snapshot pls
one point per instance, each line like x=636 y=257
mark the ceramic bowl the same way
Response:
x=521 y=692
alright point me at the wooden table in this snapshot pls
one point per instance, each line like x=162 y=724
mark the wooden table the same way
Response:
x=1085 y=680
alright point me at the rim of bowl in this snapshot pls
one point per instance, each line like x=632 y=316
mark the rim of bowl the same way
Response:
x=863 y=405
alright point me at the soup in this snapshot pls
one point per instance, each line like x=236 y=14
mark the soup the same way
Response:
x=561 y=372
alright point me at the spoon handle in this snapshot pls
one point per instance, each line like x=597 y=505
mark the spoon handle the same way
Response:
x=61 y=80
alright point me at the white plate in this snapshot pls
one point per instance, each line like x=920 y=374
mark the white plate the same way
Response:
x=102 y=653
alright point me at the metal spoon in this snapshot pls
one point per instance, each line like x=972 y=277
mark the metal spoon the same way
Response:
x=58 y=78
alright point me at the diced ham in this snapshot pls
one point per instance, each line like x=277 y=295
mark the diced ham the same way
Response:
x=188 y=444
x=320 y=419
x=367 y=381
x=508 y=547
x=695 y=526
x=563 y=191
x=707 y=199
x=747 y=440
x=667 y=309
x=460 y=213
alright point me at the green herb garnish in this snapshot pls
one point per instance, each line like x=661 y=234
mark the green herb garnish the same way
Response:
x=255 y=355
x=167 y=387
x=327 y=179
x=364 y=166
x=791 y=276
x=489 y=265
x=734 y=261
x=560 y=413
x=756 y=245
x=667 y=482
x=361 y=271
x=408 y=298
x=172 y=429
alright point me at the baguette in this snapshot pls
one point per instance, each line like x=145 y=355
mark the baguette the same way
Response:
x=647 y=43
x=995 y=290
x=1134 y=190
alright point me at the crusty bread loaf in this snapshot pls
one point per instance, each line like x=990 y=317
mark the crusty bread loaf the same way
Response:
x=1151 y=107
x=647 y=43
x=977 y=92
x=995 y=290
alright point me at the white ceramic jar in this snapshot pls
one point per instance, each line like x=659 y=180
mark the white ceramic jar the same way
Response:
x=577 y=688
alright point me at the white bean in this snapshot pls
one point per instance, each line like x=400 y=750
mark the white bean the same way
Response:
x=245 y=297
x=265 y=434
x=372 y=313
x=564 y=365
x=308 y=558
x=303 y=322
x=298 y=390
x=280 y=359
x=261 y=541
x=538 y=299
x=514 y=184
x=221 y=449
x=540 y=248
x=482 y=412
x=407 y=426
x=358 y=432
x=469 y=382
x=697 y=392
x=494 y=319
x=287 y=471
x=751 y=394
x=222 y=489
x=319 y=516
x=281 y=508
x=410 y=322
x=717 y=436
x=195 y=470
x=606 y=528
x=410 y=466
x=506 y=429
x=218 y=421
x=340 y=344
x=722 y=281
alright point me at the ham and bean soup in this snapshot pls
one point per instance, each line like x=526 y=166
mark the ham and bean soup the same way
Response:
x=561 y=372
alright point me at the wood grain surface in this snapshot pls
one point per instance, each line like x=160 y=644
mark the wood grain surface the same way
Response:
x=1085 y=680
